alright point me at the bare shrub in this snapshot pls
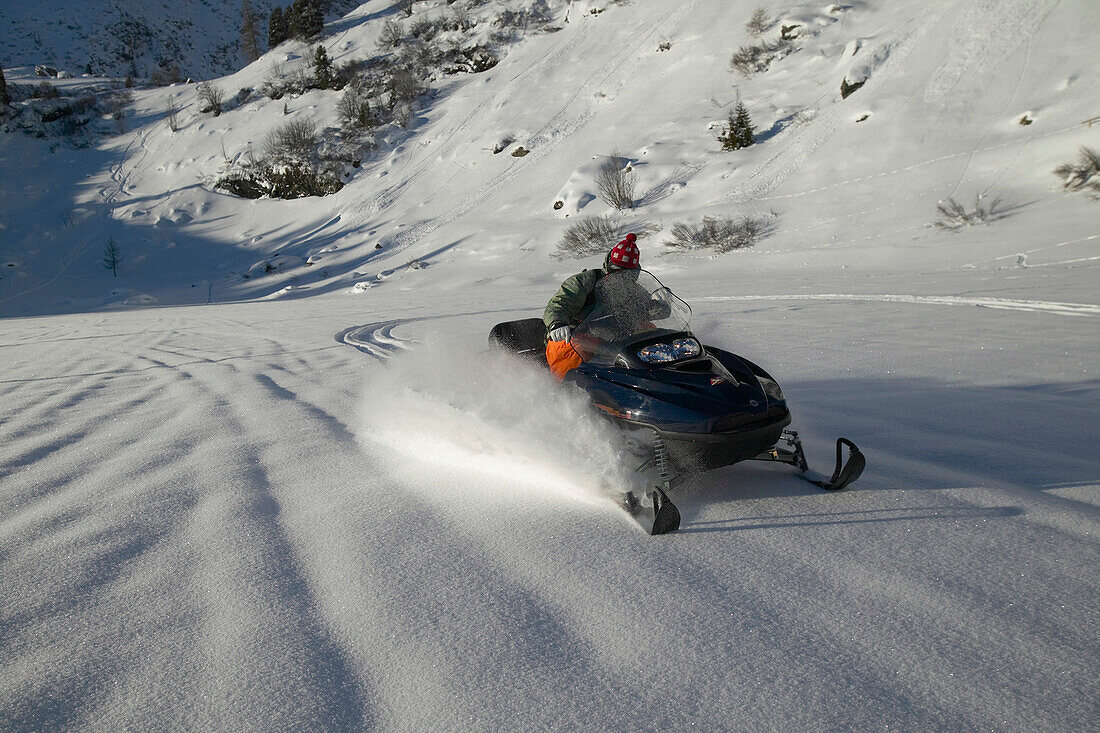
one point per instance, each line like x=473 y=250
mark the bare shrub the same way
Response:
x=460 y=19
x=719 y=234
x=418 y=57
x=294 y=142
x=112 y=256
x=273 y=86
x=953 y=216
x=117 y=102
x=45 y=90
x=512 y=20
x=759 y=23
x=616 y=182
x=211 y=97
x=423 y=28
x=404 y=87
x=300 y=79
x=540 y=14
x=168 y=73
x=354 y=111
x=173 y=116
x=392 y=35
x=589 y=236
x=749 y=60
x=1084 y=173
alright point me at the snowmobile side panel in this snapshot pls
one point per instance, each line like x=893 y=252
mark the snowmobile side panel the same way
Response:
x=525 y=338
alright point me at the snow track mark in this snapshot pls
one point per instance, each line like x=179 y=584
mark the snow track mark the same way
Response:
x=375 y=339
x=1033 y=306
x=799 y=143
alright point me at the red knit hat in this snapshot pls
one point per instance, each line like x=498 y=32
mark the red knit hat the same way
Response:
x=625 y=254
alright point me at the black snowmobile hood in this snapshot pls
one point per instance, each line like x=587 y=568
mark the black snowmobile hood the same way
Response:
x=710 y=401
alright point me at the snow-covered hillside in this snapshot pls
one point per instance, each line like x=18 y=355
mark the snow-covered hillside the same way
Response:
x=270 y=477
x=121 y=37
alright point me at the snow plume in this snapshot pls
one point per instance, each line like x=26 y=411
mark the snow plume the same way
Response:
x=496 y=421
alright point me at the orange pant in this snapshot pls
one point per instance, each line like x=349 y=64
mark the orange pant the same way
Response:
x=561 y=356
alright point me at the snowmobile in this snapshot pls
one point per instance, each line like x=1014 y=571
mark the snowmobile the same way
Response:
x=702 y=407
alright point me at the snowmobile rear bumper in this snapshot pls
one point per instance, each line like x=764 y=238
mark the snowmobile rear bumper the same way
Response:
x=706 y=451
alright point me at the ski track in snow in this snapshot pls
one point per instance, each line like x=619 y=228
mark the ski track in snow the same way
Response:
x=986 y=32
x=974 y=50
x=797 y=144
x=1033 y=306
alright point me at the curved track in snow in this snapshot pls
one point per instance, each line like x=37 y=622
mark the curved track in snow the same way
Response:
x=1033 y=306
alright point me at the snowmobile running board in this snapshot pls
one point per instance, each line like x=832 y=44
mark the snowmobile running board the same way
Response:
x=844 y=474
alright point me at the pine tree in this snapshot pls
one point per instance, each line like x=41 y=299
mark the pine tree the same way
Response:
x=308 y=20
x=322 y=68
x=276 y=28
x=739 y=132
x=293 y=20
x=250 y=36
x=744 y=125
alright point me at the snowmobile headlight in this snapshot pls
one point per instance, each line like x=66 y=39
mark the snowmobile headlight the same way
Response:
x=771 y=389
x=656 y=354
x=663 y=353
x=686 y=347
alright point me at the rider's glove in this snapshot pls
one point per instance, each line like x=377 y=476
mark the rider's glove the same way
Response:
x=561 y=333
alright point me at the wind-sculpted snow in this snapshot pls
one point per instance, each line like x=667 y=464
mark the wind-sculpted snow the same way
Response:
x=219 y=518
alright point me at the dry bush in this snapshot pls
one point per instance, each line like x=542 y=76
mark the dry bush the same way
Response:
x=759 y=23
x=952 y=215
x=719 y=234
x=173 y=116
x=45 y=90
x=292 y=143
x=1084 y=173
x=211 y=97
x=354 y=111
x=589 y=236
x=749 y=60
x=392 y=35
x=616 y=182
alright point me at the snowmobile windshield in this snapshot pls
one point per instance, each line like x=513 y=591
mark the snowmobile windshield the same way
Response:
x=629 y=305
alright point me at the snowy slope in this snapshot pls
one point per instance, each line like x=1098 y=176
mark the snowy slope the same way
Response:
x=330 y=508
x=120 y=37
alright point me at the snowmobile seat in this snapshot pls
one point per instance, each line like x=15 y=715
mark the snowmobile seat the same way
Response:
x=525 y=337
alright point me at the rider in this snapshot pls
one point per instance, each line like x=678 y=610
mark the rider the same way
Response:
x=573 y=302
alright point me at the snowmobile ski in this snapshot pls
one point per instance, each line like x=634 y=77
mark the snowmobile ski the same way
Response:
x=666 y=517
x=846 y=471
x=844 y=474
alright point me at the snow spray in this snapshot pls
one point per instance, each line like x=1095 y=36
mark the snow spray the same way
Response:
x=496 y=418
